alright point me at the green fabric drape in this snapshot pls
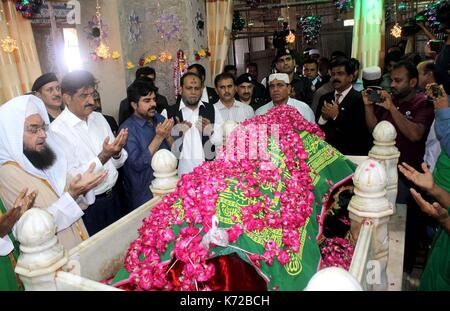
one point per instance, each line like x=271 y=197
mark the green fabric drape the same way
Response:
x=8 y=279
x=368 y=32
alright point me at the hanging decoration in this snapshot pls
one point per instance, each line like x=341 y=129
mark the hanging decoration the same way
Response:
x=343 y=5
x=179 y=68
x=402 y=6
x=8 y=45
x=97 y=36
x=199 y=23
x=396 y=31
x=202 y=53
x=130 y=65
x=290 y=38
x=238 y=22
x=430 y=16
x=310 y=27
x=165 y=57
x=168 y=26
x=28 y=7
x=134 y=28
x=146 y=59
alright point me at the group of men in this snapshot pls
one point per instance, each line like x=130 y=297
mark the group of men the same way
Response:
x=56 y=140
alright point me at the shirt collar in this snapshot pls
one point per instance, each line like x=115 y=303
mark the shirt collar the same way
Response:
x=71 y=119
x=344 y=93
x=221 y=106
x=141 y=121
x=182 y=105
x=205 y=97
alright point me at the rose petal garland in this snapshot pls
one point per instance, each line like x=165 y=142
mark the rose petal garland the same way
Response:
x=193 y=204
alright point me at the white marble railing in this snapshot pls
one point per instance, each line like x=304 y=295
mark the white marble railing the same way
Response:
x=45 y=265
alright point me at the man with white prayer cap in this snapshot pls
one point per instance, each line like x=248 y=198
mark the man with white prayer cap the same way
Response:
x=371 y=76
x=280 y=88
x=314 y=54
x=30 y=157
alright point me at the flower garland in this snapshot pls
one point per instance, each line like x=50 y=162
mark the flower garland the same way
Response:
x=193 y=204
x=337 y=252
x=202 y=53
x=343 y=5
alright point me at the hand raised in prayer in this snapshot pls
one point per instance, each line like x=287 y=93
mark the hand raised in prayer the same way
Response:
x=434 y=210
x=82 y=183
x=330 y=111
x=386 y=102
x=23 y=202
x=164 y=130
x=180 y=128
x=204 y=126
x=115 y=148
x=423 y=180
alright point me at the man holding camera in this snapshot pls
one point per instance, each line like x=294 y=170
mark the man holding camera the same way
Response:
x=411 y=113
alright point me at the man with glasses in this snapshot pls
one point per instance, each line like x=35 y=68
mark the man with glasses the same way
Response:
x=32 y=158
x=280 y=89
x=89 y=139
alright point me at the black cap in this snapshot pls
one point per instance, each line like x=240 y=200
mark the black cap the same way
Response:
x=245 y=78
x=43 y=80
x=281 y=53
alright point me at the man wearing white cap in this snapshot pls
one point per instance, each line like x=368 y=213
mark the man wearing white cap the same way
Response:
x=280 y=88
x=371 y=76
x=314 y=54
x=31 y=158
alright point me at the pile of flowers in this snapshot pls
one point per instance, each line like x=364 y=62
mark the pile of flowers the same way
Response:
x=337 y=252
x=202 y=53
x=192 y=205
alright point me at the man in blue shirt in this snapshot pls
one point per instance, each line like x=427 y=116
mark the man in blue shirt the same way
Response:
x=148 y=132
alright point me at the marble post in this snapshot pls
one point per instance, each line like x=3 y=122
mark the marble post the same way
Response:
x=370 y=210
x=41 y=254
x=164 y=165
x=386 y=153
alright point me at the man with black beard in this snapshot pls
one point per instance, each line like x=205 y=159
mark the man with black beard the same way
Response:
x=198 y=125
x=30 y=157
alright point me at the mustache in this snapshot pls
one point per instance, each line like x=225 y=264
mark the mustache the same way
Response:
x=89 y=106
x=56 y=97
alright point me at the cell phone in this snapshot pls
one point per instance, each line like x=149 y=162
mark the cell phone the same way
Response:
x=437 y=92
x=436 y=45
x=374 y=96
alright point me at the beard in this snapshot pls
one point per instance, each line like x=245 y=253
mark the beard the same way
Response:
x=41 y=160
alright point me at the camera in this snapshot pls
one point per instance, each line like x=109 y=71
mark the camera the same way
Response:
x=374 y=96
x=436 y=45
x=437 y=92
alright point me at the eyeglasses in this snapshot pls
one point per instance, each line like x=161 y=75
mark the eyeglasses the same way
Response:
x=34 y=129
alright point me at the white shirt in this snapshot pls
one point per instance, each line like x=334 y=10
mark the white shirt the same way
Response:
x=432 y=148
x=84 y=142
x=237 y=113
x=193 y=154
x=6 y=246
x=205 y=97
x=303 y=108
x=322 y=121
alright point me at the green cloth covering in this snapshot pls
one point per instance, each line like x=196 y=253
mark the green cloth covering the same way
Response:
x=327 y=165
x=436 y=275
x=441 y=173
x=8 y=280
